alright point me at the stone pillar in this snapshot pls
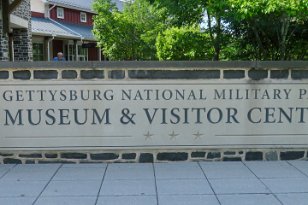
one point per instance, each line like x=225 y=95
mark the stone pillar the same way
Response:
x=22 y=45
x=22 y=37
x=4 y=47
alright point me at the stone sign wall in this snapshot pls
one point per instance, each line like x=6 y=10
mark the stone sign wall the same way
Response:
x=153 y=111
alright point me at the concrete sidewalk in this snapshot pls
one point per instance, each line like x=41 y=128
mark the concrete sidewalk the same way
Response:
x=194 y=183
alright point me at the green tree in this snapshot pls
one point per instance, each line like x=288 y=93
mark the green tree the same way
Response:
x=181 y=12
x=187 y=12
x=184 y=43
x=275 y=27
x=216 y=11
x=244 y=29
x=129 y=34
x=234 y=29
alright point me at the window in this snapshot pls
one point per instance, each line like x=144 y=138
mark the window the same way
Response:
x=60 y=13
x=70 y=53
x=82 y=53
x=83 y=17
x=38 y=51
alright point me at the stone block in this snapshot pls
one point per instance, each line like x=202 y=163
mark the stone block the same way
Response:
x=104 y=156
x=257 y=74
x=292 y=155
x=234 y=74
x=253 y=156
x=213 y=155
x=4 y=74
x=146 y=158
x=172 y=156
x=198 y=154
x=32 y=155
x=51 y=155
x=271 y=156
x=6 y=154
x=55 y=162
x=299 y=74
x=73 y=155
x=279 y=74
x=45 y=74
x=116 y=74
x=229 y=153
x=91 y=74
x=29 y=162
x=129 y=156
x=69 y=74
x=232 y=159
x=11 y=161
x=22 y=74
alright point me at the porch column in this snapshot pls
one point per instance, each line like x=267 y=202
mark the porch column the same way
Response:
x=76 y=50
x=47 y=48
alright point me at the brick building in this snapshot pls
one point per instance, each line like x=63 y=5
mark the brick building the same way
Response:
x=39 y=29
x=64 y=26
x=15 y=30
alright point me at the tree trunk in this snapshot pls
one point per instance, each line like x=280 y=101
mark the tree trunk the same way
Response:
x=261 y=50
x=285 y=23
x=215 y=40
x=218 y=39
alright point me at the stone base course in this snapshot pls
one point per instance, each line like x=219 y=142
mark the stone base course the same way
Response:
x=255 y=70
x=149 y=156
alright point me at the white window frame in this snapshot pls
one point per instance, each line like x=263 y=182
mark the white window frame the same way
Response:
x=82 y=57
x=83 y=17
x=71 y=47
x=59 y=12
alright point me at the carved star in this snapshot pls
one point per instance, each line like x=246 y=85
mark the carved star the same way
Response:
x=198 y=135
x=173 y=135
x=148 y=135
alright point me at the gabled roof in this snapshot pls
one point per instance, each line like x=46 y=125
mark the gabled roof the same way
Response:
x=47 y=27
x=83 y=5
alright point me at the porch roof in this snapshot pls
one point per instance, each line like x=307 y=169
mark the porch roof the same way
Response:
x=47 y=27
x=84 y=31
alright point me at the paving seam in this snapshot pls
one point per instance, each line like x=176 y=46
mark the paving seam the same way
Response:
x=5 y=173
x=208 y=181
x=47 y=184
x=155 y=181
x=99 y=190
x=298 y=169
x=271 y=192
